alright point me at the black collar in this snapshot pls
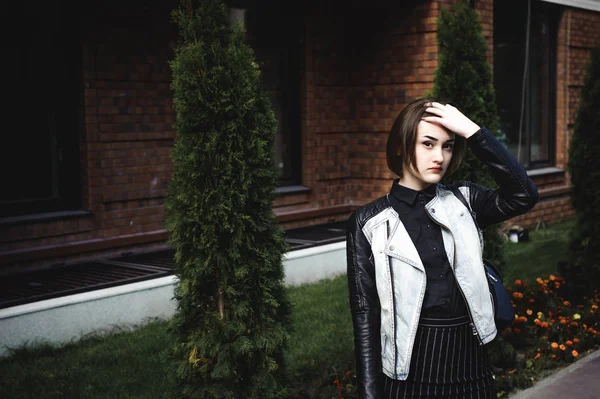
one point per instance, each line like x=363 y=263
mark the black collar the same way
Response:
x=408 y=195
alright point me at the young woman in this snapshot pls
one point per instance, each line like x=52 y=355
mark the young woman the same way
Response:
x=420 y=303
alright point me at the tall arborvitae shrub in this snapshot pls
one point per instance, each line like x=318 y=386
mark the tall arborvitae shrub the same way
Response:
x=464 y=79
x=582 y=273
x=232 y=319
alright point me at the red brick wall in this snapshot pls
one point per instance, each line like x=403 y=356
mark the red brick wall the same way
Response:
x=363 y=63
x=126 y=136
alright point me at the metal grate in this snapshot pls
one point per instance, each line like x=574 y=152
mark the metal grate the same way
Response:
x=67 y=280
x=162 y=260
x=305 y=237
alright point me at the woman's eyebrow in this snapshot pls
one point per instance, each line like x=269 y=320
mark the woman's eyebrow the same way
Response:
x=436 y=139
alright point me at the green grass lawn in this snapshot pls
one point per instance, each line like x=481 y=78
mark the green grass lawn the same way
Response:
x=540 y=255
x=130 y=365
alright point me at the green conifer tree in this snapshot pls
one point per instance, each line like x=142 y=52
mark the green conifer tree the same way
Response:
x=583 y=272
x=464 y=78
x=232 y=320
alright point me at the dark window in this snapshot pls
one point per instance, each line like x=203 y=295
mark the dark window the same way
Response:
x=525 y=78
x=40 y=152
x=275 y=31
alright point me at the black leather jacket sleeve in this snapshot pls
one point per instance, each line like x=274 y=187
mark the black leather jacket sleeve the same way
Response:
x=365 y=308
x=516 y=194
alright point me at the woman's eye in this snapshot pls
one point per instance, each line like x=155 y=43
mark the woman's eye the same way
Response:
x=428 y=144
x=448 y=146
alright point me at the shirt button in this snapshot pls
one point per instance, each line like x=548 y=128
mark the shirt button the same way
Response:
x=391 y=247
x=434 y=248
x=432 y=210
x=428 y=226
x=441 y=275
x=422 y=202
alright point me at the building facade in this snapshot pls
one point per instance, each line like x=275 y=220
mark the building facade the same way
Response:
x=88 y=167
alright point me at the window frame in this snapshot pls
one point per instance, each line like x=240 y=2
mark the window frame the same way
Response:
x=550 y=17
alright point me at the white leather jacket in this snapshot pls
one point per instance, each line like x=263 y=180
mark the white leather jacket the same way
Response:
x=400 y=276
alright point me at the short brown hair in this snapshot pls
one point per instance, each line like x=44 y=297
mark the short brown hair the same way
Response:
x=400 y=148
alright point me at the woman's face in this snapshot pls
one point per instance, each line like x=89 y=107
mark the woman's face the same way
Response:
x=433 y=153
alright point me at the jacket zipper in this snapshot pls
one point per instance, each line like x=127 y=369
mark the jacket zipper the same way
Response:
x=460 y=288
x=393 y=302
x=394 y=310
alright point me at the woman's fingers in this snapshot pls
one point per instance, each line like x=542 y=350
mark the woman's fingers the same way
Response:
x=451 y=118
x=435 y=104
x=435 y=111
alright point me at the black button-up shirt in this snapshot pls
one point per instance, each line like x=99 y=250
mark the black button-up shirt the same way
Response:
x=442 y=296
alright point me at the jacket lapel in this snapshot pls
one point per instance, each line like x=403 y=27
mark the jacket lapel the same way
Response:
x=399 y=244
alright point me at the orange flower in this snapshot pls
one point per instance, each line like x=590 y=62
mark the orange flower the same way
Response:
x=563 y=321
x=516 y=330
x=556 y=284
x=529 y=312
x=575 y=340
x=567 y=303
x=537 y=356
x=531 y=300
x=521 y=319
x=553 y=356
x=552 y=277
x=574 y=323
x=569 y=342
x=537 y=322
x=518 y=282
x=554 y=345
x=575 y=353
x=562 y=347
x=544 y=324
x=517 y=295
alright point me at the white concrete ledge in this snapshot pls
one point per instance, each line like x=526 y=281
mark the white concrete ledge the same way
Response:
x=66 y=319
x=316 y=263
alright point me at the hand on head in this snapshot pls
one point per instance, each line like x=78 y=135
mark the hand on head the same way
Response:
x=451 y=118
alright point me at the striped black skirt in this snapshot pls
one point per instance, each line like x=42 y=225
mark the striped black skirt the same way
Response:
x=447 y=362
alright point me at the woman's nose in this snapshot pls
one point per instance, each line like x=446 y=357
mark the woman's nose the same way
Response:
x=438 y=155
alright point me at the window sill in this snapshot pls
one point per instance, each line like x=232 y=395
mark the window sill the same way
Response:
x=44 y=217
x=545 y=172
x=296 y=189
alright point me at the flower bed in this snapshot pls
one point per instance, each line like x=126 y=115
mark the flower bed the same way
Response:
x=548 y=333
